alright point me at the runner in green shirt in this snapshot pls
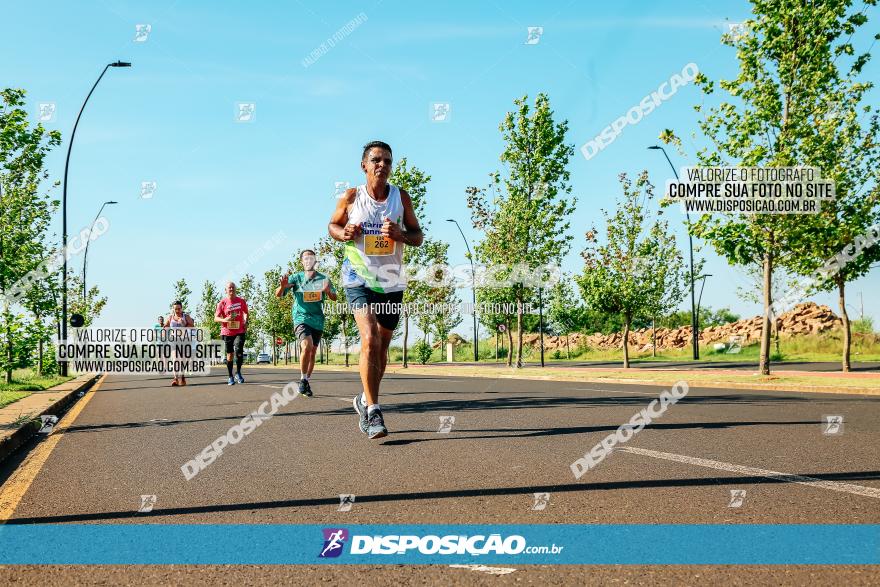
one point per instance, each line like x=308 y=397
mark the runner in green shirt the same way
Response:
x=309 y=290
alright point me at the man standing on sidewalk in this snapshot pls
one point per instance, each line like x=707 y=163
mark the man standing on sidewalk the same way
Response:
x=309 y=289
x=375 y=221
x=232 y=313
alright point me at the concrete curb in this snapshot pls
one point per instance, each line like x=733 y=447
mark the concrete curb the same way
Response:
x=751 y=386
x=11 y=440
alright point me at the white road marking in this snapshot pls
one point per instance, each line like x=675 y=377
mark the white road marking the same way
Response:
x=271 y=386
x=787 y=477
x=485 y=569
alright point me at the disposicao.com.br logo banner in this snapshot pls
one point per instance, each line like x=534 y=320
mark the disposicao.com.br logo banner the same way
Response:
x=420 y=544
x=428 y=544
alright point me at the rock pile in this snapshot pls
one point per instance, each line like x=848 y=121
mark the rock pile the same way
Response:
x=806 y=318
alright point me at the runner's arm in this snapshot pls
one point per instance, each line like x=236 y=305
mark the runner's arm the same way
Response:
x=218 y=317
x=339 y=228
x=330 y=290
x=283 y=287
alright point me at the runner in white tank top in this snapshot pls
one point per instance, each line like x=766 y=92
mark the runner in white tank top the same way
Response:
x=372 y=259
x=375 y=221
x=178 y=319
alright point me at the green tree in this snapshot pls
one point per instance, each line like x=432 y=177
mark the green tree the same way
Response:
x=277 y=317
x=206 y=308
x=181 y=293
x=89 y=305
x=25 y=215
x=42 y=301
x=528 y=224
x=501 y=298
x=415 y=182
x=247 y=288
x=778 y=115
x=566 y=313
x=638 y=260
x=840 y=136
x=340 y=321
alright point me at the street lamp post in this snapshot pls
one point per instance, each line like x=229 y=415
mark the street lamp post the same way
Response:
x=702 y=279
x=473 y=288
x=694 y=318
x=86 y=253
x=64 y=209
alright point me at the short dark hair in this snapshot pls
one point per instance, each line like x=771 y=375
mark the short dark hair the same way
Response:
x=177 y=302
x=307 y=251
x=372 y=144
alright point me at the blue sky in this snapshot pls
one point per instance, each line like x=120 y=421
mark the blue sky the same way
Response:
x=225 y=187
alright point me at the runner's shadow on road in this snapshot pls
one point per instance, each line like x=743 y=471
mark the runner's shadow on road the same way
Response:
x=451 y=494
x=569 y=402
x=539 y=432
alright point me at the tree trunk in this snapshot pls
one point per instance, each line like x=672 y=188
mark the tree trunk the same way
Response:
x=626 y=342
x=509 y=346
x=519 y=333
x=654 y=337
x=345 y=336
x=541 y=323
x=8 y=351
x=764 y=365
x=405 y=337
x=568 y=344
x=496 y=345
x=847 y=335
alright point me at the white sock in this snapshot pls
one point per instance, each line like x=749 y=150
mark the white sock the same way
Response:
x=302 y=376
x=306 y=377
x=373 y=408
x=363 y=398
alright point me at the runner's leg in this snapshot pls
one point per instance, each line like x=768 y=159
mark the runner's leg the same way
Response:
x=229 y=354
x=311 y=366
x=386 y=336
x=239 y=355
x=371 y=362
x=305 y=356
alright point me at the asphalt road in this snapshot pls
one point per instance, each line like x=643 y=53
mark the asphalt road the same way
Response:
x=510 y=439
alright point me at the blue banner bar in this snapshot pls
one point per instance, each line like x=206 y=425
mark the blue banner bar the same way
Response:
x=717 y=544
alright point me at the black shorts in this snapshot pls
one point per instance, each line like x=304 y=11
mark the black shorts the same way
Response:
x=303 y=331
x=386 y=306
x=234 y=343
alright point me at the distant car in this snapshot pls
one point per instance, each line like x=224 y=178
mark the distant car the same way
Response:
x=263 y=358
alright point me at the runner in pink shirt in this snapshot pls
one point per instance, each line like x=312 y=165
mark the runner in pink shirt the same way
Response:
x=232 y=313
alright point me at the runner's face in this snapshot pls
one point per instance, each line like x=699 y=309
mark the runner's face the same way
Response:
x=308 y=262
x=377 y=163
x=178 y=310
x=230 y=289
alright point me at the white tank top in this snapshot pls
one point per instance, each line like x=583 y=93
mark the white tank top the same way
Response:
x=371 y=259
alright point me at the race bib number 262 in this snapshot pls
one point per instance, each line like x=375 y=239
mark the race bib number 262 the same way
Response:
x=377 y=244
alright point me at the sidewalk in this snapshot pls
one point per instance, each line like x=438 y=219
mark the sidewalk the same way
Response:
x=14 y=432
x=797 y=381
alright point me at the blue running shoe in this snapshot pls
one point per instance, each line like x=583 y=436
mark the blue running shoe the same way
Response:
x=231 y=381
x=361 y=408
x=239 y=378
x=376 y=425
x=304 y=388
